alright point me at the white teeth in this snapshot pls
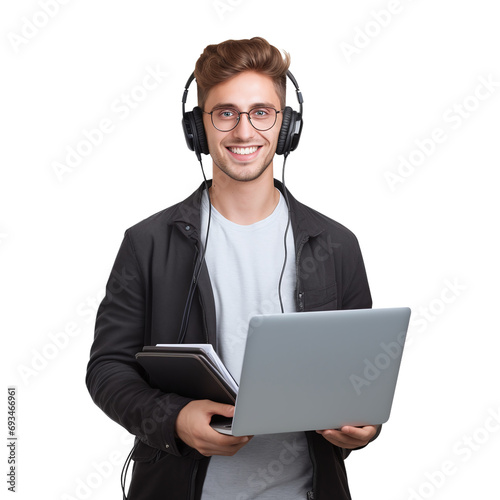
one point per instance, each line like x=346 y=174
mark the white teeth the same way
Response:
x=243 y=151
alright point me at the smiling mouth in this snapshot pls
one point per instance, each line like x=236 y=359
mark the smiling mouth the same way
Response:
x=244 y=151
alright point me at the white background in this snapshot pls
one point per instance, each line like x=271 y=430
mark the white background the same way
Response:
x=429 y=242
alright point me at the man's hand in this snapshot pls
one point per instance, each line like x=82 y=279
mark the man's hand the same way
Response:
x=350 y=437
x=193 y=427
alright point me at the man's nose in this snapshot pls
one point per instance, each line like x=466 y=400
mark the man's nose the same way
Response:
x=244 y=127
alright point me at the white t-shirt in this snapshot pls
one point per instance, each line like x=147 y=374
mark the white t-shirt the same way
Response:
x=244 y=263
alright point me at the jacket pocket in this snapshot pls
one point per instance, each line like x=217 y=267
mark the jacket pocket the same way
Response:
x=324 y=299
x=146 y=454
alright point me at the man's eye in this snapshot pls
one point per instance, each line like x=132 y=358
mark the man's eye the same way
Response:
x=260 y=113
x=227 y=113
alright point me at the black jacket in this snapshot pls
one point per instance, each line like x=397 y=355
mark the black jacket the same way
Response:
x=144 y=303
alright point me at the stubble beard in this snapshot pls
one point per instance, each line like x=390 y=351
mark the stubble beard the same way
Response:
x=222 y=166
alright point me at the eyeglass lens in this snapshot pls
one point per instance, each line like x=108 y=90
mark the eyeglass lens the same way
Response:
x=225 y=119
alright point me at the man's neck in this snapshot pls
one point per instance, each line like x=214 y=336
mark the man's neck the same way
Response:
x=244 y=202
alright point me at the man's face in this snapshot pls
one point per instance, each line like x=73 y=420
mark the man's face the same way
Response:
x=243 y=153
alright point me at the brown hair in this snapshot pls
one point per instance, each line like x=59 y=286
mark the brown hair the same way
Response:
x=220 y=62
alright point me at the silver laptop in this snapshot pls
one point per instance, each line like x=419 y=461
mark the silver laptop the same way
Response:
x=318 y=370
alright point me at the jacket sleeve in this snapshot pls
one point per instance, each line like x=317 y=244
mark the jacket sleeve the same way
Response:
x=114 y=378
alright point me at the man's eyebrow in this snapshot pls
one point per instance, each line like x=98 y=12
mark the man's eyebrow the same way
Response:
x=224 y=105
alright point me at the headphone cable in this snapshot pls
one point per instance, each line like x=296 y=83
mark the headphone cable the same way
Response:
x=123 y=477
x=285 y=194
x=197 y=269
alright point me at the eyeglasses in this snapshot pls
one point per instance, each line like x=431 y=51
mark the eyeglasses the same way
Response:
x=226 y=119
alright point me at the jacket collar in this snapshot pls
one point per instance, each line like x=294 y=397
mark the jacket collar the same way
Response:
x=303 y=222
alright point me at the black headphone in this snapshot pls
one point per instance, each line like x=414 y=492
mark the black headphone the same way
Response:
x=196 y=139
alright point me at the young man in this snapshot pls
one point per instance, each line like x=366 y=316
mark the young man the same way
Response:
x=241 y=93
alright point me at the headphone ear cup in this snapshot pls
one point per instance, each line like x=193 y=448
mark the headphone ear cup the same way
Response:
x=200 y=130
x=295 y=130
x=291 y=129
x=194 y=131
x=283 y=139
x=187 y=127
